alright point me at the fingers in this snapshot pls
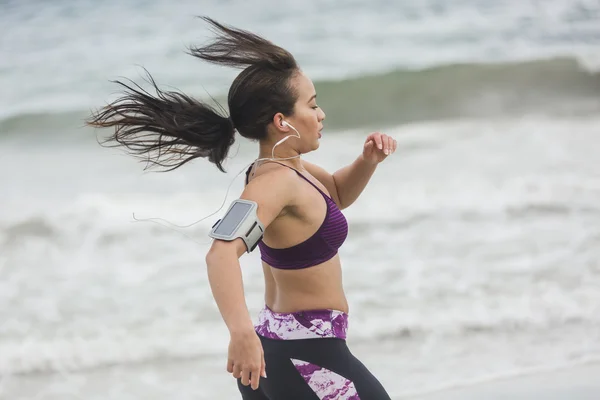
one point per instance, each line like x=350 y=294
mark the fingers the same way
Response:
x=255 y=376
x=378 y=141
x=384 y=143
x=246 y=376
x=249 y=365
x=250 y=376
x=237 y=371
x=391 y=147
x=263 y=367
x=388 y=144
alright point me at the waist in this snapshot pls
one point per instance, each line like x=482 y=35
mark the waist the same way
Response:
x=309 y=324
x=315 y=288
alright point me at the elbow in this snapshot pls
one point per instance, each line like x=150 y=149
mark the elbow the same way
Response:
x=346 y=204
x=223 y=252
x=337 y=197
x=340 y=201
x=215 y=257
x=210 y=257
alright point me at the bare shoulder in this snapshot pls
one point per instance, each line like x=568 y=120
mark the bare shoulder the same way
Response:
x=271 y=177
x=273 y=189
x=312 y=167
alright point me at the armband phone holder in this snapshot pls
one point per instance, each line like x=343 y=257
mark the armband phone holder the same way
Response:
x=240 y=221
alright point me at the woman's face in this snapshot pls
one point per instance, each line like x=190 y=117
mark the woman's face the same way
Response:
x=308 y=116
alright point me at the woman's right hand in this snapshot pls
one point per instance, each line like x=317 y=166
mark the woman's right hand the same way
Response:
x=246 y=358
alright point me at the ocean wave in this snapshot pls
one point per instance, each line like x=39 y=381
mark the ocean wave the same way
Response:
x=111 y=226
x=38 y=355
x=460 y=91
x=558 y=85
x=36 y=227
x=465 y=327
x=175 y=341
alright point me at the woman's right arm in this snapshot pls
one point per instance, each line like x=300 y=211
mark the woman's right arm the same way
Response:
x=272 y=191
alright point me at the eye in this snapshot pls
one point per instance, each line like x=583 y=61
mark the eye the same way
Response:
x=315 y=107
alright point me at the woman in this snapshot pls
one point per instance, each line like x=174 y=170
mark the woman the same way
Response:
x=298 y=349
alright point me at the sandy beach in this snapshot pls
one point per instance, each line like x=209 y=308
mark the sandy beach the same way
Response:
x=577 y=383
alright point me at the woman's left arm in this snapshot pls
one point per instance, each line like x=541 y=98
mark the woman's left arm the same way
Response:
x=347 y=183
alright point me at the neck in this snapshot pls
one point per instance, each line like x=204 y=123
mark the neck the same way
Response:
x=281 y=152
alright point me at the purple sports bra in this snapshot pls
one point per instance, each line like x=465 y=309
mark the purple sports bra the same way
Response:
x=320 y=247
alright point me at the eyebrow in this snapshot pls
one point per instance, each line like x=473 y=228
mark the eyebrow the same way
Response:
x=314 y=96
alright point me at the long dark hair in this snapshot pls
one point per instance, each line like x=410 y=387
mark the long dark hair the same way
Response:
x=171 y=128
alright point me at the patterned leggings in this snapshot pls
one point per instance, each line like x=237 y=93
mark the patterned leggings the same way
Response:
x=307 y=358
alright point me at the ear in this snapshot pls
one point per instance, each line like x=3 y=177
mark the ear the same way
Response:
x=278 y=122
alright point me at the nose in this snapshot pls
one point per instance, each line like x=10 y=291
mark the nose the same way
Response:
x=321 y=115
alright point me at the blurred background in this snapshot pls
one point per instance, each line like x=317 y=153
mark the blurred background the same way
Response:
x=474 y=253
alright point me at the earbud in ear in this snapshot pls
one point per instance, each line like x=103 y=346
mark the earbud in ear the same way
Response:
x=285 y=123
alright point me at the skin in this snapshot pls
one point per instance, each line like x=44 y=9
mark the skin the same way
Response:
x=291 y=211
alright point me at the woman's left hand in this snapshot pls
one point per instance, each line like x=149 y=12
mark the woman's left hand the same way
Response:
x=377 y=147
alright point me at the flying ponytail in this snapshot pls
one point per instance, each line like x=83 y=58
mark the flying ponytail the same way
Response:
x=234 y=47
x=170 y=129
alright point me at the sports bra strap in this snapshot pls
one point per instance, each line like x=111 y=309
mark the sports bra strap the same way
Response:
x=301 y=175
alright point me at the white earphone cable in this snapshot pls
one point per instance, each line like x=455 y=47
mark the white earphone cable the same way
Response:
x=173 y=226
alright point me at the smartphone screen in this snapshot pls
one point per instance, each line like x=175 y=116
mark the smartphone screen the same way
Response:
x=232 y=219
